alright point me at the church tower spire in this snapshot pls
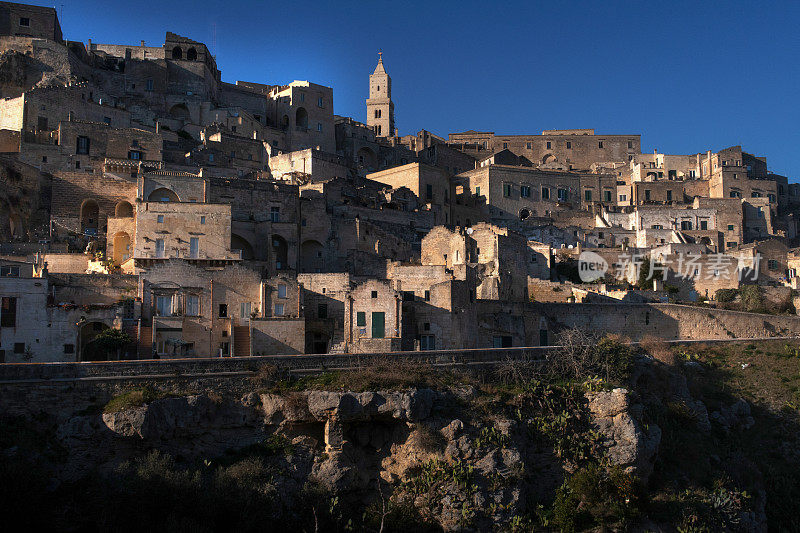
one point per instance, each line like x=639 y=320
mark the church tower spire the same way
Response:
x=380 y=108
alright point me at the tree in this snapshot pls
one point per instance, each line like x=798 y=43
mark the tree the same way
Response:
x=644 y=272
x=111 y=341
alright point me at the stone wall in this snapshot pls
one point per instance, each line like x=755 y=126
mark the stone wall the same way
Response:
x=668 y=321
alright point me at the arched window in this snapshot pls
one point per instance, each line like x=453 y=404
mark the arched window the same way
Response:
x=122 y=247
x=90 y=212
x=179 y=111
x=280 y=251
x=301 y=119
x=191 y=54
x=177 y=53
x=241 y=244
x=123 y=210
x=163 y=194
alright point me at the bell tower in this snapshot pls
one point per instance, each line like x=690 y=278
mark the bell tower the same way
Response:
x=380 y=108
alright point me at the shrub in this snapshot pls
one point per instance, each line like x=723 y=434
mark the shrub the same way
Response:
x=595 y=496
x=752 y=299
x=726 y=295
x=582 y=356
x=133 y=398
x=111 y=341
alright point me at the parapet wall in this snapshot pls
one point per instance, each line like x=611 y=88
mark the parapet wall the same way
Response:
x=668 y=321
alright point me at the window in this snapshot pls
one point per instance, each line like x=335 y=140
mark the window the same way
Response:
x=320 y=102
x=149 y=85
x=548 y=145
x=669 y=196
x=563 y=195
x=69 y=348
x=107 y=120
x=159 y=248
x=587 y=194
x=735 y=194
x=192 y=305
x=771 y=197
x=507 y=190
x=164 y=305
x=477 y=191
x=203 y=219
x=606 y=196
x=319 y=126
x=378 y=325
x=731 y=227
x=322 y=310
x=502 y=341
x=630 y=145
x=599 y=144
x=569 y=145
x=429 y=192
x=361 y=319
x=686 y=224
x=135 y=155
x=427 y=342
x=279 y=309
x=623 y=197
x=528 y=146
x=9 y=271
x=244 y=310
x=83 y=145
x=210 y=158
x=194 y=247
x=731 y=245
x=275 y=213
x=374 y=294
x=281 y=290
x=8 y=312
x=772 y=264
x=545 y=193
x=160 y=219
x=223 y=311
x=525 y=191
x=704 y=224
x=427 y=296
x=25 y=21
x=19 y=347
x=505 y=145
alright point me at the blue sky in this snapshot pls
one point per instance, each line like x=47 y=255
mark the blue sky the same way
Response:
x=688 y=77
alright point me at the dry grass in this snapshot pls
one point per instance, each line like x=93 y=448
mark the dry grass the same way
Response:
x=659 y=349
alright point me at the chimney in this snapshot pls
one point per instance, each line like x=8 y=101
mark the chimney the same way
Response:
x=142 y=43
x=90 y=44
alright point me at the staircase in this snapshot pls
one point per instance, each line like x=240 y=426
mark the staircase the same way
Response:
x=145 y=347
x=241 y=341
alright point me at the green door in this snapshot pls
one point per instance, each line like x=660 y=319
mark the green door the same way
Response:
x=378 y=323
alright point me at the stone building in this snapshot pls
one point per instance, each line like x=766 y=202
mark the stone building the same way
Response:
x=380 y=107
x=431 y=185
x=576 y=149
x=373 y=318
x=22 y=20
